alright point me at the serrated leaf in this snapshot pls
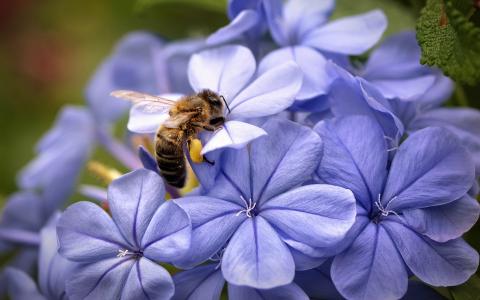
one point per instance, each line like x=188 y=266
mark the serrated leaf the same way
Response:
x=449 y=40
x=470 y=290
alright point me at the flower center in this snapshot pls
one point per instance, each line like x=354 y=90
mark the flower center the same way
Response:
x=249 y=207
x=383 y=211
x=126 y=252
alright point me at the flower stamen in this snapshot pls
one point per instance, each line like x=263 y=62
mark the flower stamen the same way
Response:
x=384 y=211
x=249 y=207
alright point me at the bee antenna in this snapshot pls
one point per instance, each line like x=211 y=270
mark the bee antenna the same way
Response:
x=226 y=104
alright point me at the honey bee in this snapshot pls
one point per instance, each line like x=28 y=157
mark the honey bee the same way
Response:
x=188 y=117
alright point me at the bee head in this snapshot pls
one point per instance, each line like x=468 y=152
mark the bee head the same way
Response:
x=217 y=101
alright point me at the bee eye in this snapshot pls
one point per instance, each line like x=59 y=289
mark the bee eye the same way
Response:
x=217 y=121
x=212 y=99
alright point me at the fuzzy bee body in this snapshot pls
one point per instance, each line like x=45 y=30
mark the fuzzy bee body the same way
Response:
x=188 y=116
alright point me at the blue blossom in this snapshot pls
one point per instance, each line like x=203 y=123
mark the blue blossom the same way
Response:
x=207 y=282
x=62 y=153
x=143 y=62
x=231 y=72
x=257 y=210
x=120 y=260
x=410 y=215
x=53 y=270
x=300 y=28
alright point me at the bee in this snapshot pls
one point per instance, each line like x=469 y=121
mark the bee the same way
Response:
x=187 y=118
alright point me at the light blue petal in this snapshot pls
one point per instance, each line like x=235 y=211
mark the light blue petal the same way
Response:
x=168 y=235
x=270 y=93
x=80 y=238
x=21 y=286
x=406 y=89
x=331 y=208
x=430 y=168
x=371 y=268
x=438 y=264
x=316 y=80
x=133 y=199
x=213 y=223
x=351 y=35
x=243 y=22
x=148 y=280
x=287 y=292
x=233 y=134
x=444 y=222
x=317 y=283
x=225 y=70
x=463 y=122
x=274 y=158
x=354 y=157
x=203 y=282
x=257 y=257
x=300 y=17
x=105 y=279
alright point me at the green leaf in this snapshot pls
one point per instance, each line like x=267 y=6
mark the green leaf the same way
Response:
x=449 y=40
x=470 y=290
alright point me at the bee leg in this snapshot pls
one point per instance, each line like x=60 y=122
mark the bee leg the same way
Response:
x=208 y=161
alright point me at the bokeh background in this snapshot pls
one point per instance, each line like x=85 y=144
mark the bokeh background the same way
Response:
x=49 y=49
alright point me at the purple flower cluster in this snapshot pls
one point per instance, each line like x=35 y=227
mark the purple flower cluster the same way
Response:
x=331 y=178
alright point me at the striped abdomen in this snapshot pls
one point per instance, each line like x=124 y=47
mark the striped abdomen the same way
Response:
x=169 y=155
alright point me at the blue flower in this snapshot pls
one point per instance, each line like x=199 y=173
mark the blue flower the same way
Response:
x=120 y=259
x=257 y=210
x=53 y=270
x=300 y=29
x=394 y=69
x=207 y=282
x=230 y=71
x=143 y=62
x=62 y=153
x=410 y=215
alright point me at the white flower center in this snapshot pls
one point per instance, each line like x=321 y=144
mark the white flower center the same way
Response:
x=249 y=207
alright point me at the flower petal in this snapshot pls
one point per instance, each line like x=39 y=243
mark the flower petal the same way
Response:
x=353 y=159
x=132 y=66
x=213 y=223
x=105 y=279
x=271 y=92
x=406 y=89
x=168 y=234
x=257 y=257
x=303 y=16
x=21 y=286
x=444 y=222
x=148 y=280
x=316 y=80
x=463 y=122
x=275 y=162
x=53 y=269
x=287 y=292
x=80 y=238
x=203 y=282
x=317 y=283
x=144 y=119
x=351 y=95
x=243 y=22
x=225 y=70
x=331 y=208
x=133 y=199
x=371 y=268
x=438 y=264
x=430 y=168
x=351 y=35
x=234 y=134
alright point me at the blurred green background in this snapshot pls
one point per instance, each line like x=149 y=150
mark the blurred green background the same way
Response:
x=50 y=48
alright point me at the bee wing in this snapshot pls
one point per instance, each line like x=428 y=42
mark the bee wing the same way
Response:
x=175 y=121
x=145 y=102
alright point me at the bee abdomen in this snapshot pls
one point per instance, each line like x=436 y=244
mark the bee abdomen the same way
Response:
x=171 y=161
